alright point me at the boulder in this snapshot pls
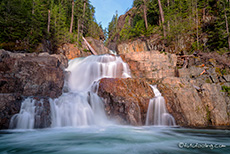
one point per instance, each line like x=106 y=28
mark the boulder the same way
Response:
x=126 y=100
x=31 y=75
x=24 y=75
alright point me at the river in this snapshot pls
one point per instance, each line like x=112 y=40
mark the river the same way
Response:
x=114 y=139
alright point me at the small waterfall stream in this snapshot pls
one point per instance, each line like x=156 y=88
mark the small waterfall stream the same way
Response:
x=157 y=113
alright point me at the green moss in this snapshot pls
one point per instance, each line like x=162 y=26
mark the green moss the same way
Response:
x=226 y=89
x=198 y=109
x=181 y=85
x=85 y=50
x=218 y=71
x=208 y=80
x=208 y=115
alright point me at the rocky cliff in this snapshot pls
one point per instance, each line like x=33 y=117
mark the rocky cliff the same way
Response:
x=194 y=90
x=151 y=64
x=22 y=75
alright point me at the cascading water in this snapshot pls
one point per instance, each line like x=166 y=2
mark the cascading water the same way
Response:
x=157 y=113
x=80 y=106
x=29 y=115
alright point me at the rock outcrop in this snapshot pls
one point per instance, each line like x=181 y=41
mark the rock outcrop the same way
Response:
x=193 y=90
x=23 y=75
x=126 y=100
x=193 y=106
x=72 y=51
x=141 y=44
x=151 y=64
x=97 y=45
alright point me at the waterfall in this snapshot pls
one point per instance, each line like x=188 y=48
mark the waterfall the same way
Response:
x=157 y=113
x=79 y=105
x=31 y=115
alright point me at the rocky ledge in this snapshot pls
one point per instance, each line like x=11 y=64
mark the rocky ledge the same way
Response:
x=28 y=74
x=126 y=100
x=195 y=90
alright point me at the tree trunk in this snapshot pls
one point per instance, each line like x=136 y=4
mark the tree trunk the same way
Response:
x=71 y=24
x=226 y=22
x=197 y=26
x=33 y=7
x=83 y=16
x=145 y=15
x=48 y=26
x=78 y=30
x=162 y=17
x=168 y=20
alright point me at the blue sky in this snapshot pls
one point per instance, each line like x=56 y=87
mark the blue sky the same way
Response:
x=105 y=9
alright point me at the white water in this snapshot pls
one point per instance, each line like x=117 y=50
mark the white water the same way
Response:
x=80 y=106
x=157 y=113
x=29 y=113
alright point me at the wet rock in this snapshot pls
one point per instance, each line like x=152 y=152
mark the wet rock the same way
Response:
x=9 y=105
x=126 y=100
x=24 y=75
x=42 y=110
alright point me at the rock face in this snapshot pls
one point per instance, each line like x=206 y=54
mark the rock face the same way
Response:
x=195 y=99
x=97 y=45
x=9 y=105
x=24 y=75
x=31 y=75
x=151 y=64
x=72 y=51
x=126 y=100
x=130 y=47
x=141 y=44
x=193 y=107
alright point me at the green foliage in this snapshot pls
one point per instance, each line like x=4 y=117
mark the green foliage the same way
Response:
x=226 y=89
x=26 y=22
x=190 y=25
x=112 y=28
